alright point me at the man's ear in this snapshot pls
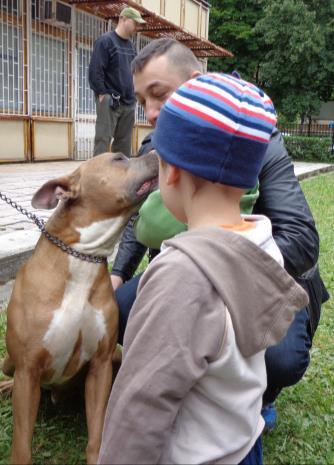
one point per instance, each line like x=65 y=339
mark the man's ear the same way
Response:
x=195 y=74
x=173 y=175
x=48 y=196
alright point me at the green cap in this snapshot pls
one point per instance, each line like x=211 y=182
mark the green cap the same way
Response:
x=132 y=14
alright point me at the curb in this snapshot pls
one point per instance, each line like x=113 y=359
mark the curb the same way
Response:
x=5 y=292
x=311 y=174
x=9 y=266
x=18 y=247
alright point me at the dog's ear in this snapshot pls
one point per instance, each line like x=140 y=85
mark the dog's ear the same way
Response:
x=48 y=196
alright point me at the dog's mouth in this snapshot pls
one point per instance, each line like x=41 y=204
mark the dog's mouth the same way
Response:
x=147 y=187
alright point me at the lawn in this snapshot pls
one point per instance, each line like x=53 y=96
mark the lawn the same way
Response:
x=305 y=430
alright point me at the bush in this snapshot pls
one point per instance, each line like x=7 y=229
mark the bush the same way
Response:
x=316 y=149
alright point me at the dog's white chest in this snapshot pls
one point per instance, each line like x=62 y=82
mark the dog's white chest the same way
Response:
x=75 y=319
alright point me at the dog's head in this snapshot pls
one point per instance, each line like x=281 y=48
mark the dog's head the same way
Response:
x=98 y=199
x=109 y=183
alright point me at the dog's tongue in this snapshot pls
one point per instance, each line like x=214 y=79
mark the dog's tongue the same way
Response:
x=144 y=188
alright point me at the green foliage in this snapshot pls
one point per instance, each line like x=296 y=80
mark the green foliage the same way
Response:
x=309 y=148
x=324 y=16
x=294 y=68
x=284 y=46
x=283 y=120
x=231 y=26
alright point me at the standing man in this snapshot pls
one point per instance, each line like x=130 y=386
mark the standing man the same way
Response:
x=110 y=78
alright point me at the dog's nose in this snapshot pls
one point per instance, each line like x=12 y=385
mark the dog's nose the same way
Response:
x=153 y=160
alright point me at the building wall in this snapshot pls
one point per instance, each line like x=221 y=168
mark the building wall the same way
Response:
x=191 y=15
x=326 y=112
x=47 y=110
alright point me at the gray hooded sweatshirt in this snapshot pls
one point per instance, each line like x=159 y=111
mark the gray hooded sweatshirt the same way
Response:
x=193 y=373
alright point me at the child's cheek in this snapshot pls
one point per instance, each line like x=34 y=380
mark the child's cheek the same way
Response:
x=162 y=187
x=162 y=174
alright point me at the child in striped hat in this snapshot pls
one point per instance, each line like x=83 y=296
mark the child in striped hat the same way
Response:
x=193 y=373
x=217 y=127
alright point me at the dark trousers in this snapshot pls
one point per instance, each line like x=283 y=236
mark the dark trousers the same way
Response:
x=117 y=124
x=286 y=362
x=255 y=455
x=125 y=296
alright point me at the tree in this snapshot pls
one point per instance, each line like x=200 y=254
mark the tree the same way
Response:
x=284 y=46
x=324 y=11
x=231 y=26
x=294 y=70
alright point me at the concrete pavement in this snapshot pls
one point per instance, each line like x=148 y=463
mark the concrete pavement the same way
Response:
x=18 y=235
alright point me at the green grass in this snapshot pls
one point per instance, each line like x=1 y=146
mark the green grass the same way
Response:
x=305 y=430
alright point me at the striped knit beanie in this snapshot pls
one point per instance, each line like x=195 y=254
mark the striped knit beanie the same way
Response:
x=217 y=127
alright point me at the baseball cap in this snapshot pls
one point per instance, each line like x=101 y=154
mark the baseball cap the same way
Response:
x=131 y=13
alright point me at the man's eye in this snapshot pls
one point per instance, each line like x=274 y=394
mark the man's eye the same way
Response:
x=160 y=95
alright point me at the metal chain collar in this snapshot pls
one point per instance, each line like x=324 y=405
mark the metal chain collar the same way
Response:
x=59 y=243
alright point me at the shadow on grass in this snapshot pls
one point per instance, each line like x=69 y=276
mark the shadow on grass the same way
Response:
x=60 y=433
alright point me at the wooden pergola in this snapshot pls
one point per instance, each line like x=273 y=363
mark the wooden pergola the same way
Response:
x=156 y=26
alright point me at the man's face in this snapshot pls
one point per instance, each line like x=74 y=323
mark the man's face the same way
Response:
x=130 y=26
x=154 y=84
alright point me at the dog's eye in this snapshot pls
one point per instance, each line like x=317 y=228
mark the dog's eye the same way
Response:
x=120 y=157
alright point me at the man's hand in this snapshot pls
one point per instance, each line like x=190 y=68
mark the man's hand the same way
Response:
x=116 y=281
x=101 y=97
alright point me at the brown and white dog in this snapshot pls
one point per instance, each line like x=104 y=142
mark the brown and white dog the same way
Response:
x=62 y=312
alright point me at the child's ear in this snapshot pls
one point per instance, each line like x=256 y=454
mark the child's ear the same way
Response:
x=173 y=175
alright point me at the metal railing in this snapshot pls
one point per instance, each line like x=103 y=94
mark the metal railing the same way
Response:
x=86 y=29
x=140 y=117
x=306 y=129
x=12 y=28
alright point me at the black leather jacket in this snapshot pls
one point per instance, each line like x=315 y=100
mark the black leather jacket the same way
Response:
x=130 y=251
x=282 y=200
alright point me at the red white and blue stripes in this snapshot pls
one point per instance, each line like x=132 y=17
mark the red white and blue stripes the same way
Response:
x=228 y=103
x=217 y=127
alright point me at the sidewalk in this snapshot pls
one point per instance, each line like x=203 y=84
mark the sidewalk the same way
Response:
x=18 y=235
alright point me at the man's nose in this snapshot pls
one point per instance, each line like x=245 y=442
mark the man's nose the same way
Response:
x=152 y=113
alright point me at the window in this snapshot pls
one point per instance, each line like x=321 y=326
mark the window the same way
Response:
x=11 y=69
x=49 y=75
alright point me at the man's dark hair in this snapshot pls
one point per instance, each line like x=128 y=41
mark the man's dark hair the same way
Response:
x=181 y=57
